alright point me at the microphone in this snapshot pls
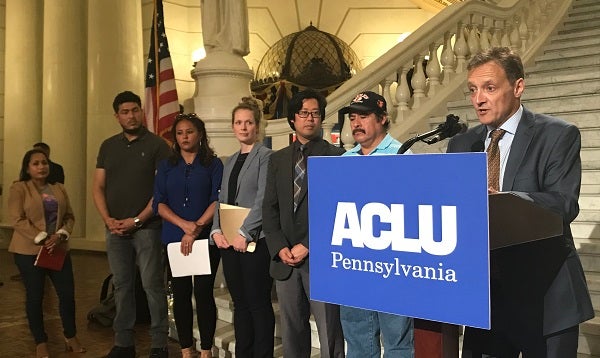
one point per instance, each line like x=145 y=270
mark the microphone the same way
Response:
x=445 y=130
x=453 y=130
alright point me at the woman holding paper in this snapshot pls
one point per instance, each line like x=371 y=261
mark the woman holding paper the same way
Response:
x=43 y=219
x=185 y=195
x=247 y=272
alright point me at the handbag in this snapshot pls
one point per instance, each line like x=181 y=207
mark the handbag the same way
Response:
x=52 y=261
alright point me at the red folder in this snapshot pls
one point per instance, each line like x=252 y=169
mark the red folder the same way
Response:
x=52 y=261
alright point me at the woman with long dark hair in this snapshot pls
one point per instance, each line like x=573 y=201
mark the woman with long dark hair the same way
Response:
x=42 y=216
x=186 y=190
x=247 y=273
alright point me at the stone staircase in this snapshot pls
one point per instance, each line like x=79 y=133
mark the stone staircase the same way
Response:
x=564 y=82
x=224 y=346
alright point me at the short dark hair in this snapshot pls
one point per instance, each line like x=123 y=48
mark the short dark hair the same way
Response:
x=23 y=175
x=295 y=104
x=41 y=145
x=504 y=57
x=125 y=97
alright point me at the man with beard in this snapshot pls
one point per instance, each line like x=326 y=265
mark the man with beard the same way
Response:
x=362 y=328
x=122 y=190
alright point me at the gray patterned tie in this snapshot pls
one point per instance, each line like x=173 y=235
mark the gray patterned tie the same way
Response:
x=493 y=159
x=299 y=170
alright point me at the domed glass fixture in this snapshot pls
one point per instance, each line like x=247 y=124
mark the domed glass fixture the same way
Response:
x=308 y=58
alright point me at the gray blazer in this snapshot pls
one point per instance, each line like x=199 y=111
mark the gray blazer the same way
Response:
x=250 y=190
x=543 y=166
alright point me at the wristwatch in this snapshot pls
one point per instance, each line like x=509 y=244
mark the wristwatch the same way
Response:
x=137 y=222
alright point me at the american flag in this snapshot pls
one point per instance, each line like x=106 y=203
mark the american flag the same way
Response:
x=161 y=93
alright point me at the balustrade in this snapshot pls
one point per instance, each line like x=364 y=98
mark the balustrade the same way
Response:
x=446 y=42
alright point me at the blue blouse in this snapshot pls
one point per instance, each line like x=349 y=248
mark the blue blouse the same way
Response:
x=188 y=190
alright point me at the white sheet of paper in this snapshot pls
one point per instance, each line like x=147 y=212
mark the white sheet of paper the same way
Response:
x=196 y=263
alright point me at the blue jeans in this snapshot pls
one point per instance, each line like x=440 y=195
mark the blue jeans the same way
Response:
x=144 y=248
x=34 y=279
x=362 y=330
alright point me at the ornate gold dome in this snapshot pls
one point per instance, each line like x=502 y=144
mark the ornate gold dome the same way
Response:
x=309 y=58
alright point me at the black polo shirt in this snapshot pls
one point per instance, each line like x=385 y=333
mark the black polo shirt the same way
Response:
x=130 y=168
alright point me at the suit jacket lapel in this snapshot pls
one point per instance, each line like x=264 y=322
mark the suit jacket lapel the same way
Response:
x=319 y=148
x=227 y=173
x=287 y=176
x=38 y=219
x=481 y=137
x=251 y=156
x=518 y=148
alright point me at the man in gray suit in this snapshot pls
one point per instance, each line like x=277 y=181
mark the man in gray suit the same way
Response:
x=285 y=222
x=538 y=290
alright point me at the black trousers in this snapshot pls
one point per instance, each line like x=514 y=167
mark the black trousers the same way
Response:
x=249 y=283
x=561 y=344
x=517 y=328
x=206 y=309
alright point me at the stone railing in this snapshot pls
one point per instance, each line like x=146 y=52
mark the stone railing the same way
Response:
x=447 y=42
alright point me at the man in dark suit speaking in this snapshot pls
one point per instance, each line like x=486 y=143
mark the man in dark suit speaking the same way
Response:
x=538 y=298
x=285 y=222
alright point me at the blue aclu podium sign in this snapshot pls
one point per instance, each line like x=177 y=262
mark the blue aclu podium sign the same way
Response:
x=403 y=234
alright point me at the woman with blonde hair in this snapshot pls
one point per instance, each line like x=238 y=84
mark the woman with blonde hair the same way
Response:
x=247 y=273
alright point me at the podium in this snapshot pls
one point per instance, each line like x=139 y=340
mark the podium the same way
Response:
x=393 y=244
x=520 y=226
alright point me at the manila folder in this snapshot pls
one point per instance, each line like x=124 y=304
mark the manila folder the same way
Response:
x=231 y=218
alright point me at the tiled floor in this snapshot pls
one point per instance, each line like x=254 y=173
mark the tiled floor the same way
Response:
x=90 y=268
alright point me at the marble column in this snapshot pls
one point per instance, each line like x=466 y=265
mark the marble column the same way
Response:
x=223 y=76
x=222 y=79
x=22 y=90
x=64 y=99
x=115 y=63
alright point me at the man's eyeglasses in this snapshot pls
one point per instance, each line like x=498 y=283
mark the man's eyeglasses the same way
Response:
x=304 y=114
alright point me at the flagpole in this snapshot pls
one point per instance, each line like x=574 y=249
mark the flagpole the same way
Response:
x=156 y=65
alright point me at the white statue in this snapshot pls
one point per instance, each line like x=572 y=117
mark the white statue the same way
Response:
x=225 y=26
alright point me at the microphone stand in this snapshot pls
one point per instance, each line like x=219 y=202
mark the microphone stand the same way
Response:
x=451 y=120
